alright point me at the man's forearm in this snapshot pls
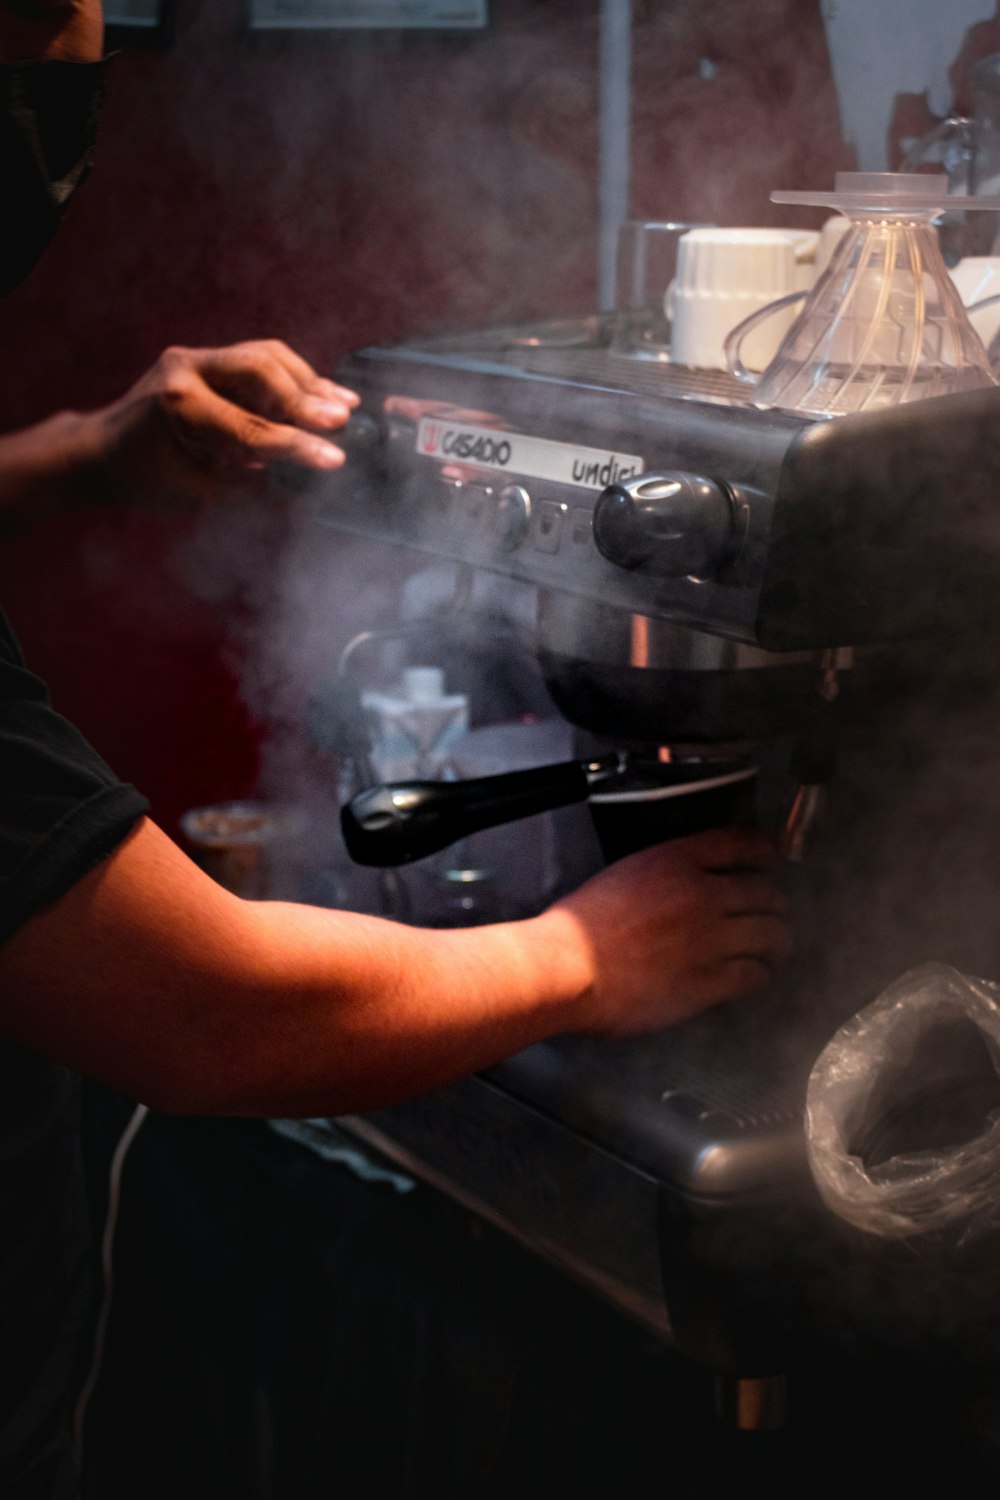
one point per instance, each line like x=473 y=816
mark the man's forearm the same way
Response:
x=388 y=1011
x=152 y=979
x=47 y=468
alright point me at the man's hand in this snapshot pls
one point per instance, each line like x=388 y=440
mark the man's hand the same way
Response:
x=674 y=930
x=203 y=422
x=51 y=31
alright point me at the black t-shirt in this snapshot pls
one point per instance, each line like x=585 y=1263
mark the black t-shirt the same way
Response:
x=61 y=811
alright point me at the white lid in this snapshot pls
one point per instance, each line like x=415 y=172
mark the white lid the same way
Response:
x=423 y=684
x=747 y=261
x=889 y=193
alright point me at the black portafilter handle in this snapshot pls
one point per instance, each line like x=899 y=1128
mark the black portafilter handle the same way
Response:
x=403 y=821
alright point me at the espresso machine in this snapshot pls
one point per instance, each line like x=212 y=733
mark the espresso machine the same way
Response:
x=737 y=608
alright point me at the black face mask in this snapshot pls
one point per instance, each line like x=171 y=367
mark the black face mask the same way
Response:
x=48 y=125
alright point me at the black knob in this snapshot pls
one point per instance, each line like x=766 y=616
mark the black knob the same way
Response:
x=361 y=435
x=362 y=440
x=669 y=525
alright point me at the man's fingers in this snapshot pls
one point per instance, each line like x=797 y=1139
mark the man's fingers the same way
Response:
x=766 y=939
x=750 y=893
x=733 y=848
x=303 y=372
x=266 y=377
x=217 y=428
x=744 y=976
x=277 y=381
x=258 y=380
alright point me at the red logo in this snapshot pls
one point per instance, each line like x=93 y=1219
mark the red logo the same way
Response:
x=430 y=441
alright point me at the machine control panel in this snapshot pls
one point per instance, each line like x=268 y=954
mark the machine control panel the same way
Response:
x=514 y=475
x=560 y=526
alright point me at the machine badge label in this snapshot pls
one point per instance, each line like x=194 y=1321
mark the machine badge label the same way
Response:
x=530 y=457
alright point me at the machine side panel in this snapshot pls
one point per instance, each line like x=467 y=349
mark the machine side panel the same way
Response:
x=561 y=1195
x=886 y=527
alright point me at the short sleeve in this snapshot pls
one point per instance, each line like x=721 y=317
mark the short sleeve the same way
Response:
x=62 y=810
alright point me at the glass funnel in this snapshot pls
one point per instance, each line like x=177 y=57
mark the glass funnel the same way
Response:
x=884 y=324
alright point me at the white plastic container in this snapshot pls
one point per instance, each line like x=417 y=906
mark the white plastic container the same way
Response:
x=416 y=726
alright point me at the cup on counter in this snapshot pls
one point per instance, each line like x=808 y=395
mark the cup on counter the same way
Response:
x=646 y=266
x=806 y=244
x=724 y=275
x=977 y=278
x=234 y=842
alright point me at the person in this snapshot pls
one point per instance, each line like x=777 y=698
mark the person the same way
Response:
x=121 y=960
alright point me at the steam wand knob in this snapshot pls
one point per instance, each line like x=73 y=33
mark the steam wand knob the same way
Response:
x=673 y=525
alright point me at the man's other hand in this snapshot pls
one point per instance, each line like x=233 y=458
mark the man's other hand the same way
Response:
x=51 y=31
x=204 y=422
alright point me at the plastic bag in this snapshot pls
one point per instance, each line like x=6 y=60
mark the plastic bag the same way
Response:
x=903 y=1108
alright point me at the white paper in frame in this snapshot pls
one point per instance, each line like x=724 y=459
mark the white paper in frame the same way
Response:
x=357 y=15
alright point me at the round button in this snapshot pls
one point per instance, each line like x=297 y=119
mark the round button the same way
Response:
x=513 y=513
x=441 y=492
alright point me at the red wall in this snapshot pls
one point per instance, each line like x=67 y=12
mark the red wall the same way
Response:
x=335 y=193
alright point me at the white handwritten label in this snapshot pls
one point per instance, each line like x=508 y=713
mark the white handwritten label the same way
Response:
x=518 y=453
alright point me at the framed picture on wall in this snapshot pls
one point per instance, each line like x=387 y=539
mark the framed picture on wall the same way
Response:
x=366 y=15
x=128 y=23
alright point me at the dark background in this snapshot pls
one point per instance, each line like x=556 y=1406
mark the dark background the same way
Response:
x=334 y=192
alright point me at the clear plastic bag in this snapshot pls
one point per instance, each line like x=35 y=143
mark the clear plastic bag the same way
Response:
x=903 y=1108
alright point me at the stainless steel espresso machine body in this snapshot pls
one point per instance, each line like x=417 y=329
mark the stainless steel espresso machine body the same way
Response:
x=705 y=571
